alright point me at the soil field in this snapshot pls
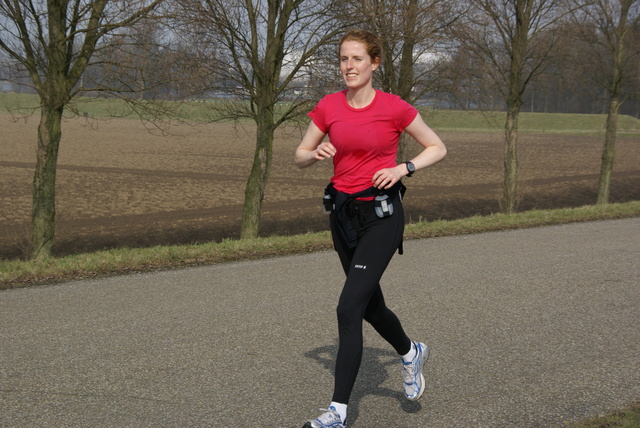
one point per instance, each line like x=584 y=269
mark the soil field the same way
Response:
x=120 y=185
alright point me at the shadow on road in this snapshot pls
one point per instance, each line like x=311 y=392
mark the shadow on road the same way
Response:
x=378 y=365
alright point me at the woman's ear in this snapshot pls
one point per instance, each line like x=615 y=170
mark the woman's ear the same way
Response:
x=376 y=63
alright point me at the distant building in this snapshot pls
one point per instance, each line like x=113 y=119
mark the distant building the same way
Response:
x=17 y=87
x=6 y=86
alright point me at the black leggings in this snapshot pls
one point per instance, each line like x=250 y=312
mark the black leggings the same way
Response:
x=362 y=298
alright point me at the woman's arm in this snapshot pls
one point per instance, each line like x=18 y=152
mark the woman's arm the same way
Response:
x=434 y=151
x=312 y=149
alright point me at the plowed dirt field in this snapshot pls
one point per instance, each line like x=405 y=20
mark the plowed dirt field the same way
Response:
x=120 y=185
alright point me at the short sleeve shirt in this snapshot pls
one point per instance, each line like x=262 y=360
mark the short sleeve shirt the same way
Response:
x=366 y=139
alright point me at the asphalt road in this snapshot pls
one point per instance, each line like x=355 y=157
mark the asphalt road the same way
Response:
x=528 y=328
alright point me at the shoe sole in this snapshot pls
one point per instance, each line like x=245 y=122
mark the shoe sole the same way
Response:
x=308 y=425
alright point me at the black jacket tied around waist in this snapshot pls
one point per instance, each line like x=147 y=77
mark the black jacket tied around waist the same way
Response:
x=348 y=211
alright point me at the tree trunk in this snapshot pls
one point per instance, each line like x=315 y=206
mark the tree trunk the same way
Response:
x=257 y=182
x=402 y=146
x=608 y=153
x=44 y=184
x=407 y=75
x=515 y=89
x=619 y=32
x=510 y=184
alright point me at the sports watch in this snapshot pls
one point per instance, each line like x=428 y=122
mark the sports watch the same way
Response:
x=410 y=167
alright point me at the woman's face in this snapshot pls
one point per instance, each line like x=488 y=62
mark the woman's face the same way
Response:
x=356 y=65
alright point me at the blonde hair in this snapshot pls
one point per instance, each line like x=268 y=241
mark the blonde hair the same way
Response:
x=371 y=42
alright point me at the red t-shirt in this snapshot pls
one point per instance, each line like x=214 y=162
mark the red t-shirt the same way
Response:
x=366 y=139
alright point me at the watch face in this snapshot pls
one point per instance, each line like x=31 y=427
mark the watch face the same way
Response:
x=411 y=167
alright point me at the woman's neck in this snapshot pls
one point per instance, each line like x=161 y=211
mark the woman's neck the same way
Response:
x=360 y=98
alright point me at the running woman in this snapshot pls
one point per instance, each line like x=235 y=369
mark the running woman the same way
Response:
x=367 y=220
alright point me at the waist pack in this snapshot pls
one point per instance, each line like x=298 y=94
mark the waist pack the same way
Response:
x=348 y=209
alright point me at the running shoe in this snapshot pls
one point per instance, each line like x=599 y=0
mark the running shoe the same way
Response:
x=412 y=372
x=329 y=419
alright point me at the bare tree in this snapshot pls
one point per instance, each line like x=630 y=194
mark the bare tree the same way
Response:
x=54 y=42
x=466 y=86
x=414 y=33
x=133 y=61
x=261 y=52
x=512 y=41
x=607 y=27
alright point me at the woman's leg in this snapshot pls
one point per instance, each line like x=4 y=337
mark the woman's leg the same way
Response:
x=362 y=298
x=386 y=323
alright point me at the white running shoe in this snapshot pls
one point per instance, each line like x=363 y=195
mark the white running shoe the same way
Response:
x=329 y=419
x=412 y=372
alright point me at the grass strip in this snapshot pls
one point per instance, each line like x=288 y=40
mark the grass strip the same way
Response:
x=210 y=110
x=626 y=418
x=19 y=273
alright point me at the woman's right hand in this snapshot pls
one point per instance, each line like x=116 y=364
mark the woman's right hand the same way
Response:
x=325 y=150
x=312 y=149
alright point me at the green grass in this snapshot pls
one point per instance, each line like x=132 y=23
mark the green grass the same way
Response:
x=439 y=119
x=626 y=418
x=18 y=273
x=529 y=122
x=107 y=108
x=110 y=108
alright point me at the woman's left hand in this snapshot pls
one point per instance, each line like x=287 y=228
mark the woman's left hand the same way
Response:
x=386 y=178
